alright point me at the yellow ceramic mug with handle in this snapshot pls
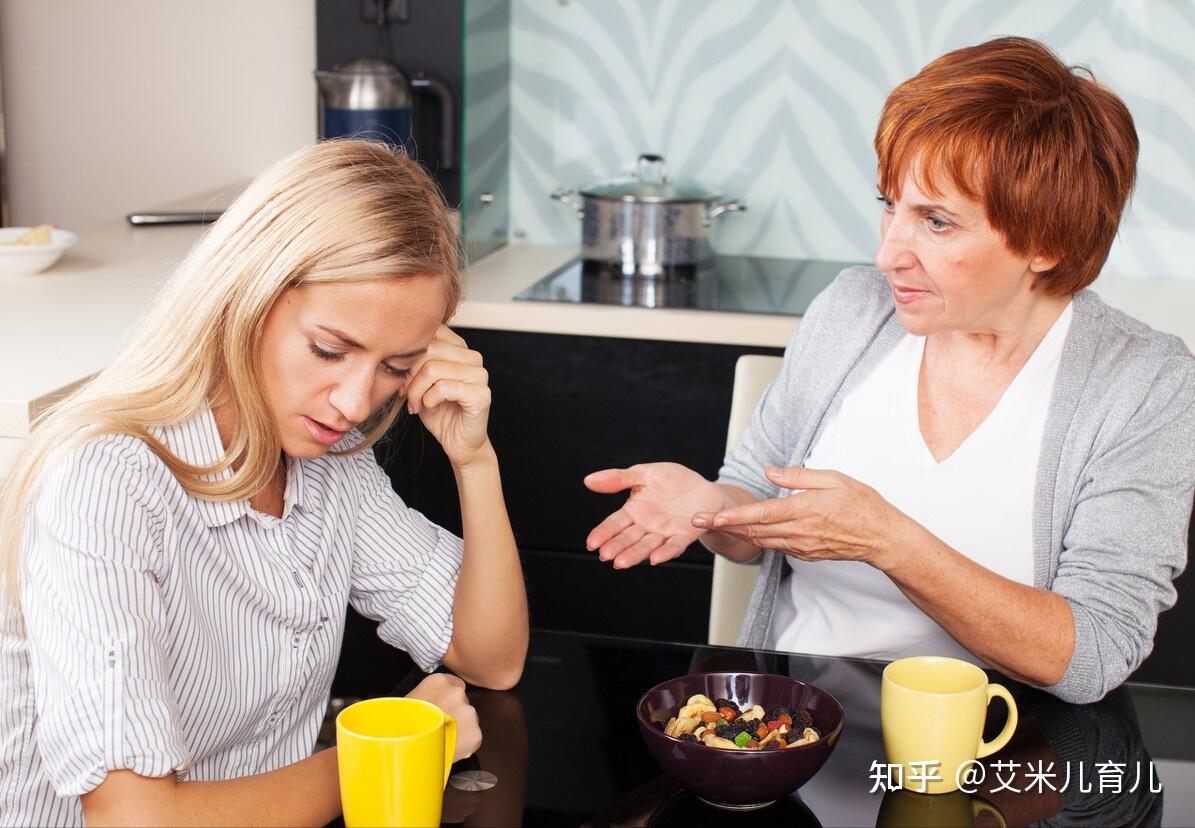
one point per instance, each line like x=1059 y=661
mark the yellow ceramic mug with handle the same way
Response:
x=394 y=757
x=932 y=711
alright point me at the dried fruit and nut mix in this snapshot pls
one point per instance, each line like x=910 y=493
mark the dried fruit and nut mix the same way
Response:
x=722 y=724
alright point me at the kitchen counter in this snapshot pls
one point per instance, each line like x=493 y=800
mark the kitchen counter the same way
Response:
x=492 y=281
x=59 y=327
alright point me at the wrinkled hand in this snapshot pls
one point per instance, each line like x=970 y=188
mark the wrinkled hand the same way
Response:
x=656 y=522
x=449 y=390
x=448 y=693
x=829 y=516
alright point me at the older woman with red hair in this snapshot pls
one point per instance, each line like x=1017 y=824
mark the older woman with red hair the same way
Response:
x=966 y=453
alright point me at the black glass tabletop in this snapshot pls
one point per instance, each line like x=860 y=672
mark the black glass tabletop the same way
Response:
x=565 y=749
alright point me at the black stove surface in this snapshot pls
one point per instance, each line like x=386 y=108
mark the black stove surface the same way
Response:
x=743 y=284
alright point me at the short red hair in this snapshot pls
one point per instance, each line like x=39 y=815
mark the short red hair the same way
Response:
x=1050 y=153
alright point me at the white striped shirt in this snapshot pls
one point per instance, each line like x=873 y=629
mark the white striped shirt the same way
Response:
x=164 y=633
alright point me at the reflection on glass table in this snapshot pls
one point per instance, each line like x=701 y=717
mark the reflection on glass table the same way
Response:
x=566 y=750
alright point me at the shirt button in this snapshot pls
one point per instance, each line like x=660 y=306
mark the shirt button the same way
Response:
x=296 y=640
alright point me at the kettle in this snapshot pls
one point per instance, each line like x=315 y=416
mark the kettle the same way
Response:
x=371 y=98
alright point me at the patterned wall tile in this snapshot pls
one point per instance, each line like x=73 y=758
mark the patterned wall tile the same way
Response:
x=775 y=102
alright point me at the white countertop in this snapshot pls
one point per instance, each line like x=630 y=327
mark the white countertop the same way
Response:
x=59 y=327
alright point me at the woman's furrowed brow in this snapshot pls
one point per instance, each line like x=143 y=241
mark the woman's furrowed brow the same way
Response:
x=344 y=338
x=347 y=340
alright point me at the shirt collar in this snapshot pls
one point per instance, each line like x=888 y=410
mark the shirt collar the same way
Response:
x=296 y=485
x=197 y=441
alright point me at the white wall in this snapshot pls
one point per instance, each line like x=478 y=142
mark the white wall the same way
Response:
x=121 y=105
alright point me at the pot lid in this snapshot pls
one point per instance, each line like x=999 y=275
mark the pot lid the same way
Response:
x=651 y=182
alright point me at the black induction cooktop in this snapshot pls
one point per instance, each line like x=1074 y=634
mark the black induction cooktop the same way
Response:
x=742 y=284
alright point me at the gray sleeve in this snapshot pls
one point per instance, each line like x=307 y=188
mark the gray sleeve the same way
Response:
x=1127 y=537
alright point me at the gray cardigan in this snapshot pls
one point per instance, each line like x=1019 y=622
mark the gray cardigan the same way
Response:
x=1114 y=482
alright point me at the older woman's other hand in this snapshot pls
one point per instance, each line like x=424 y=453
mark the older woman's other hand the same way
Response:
x=656 y=522
x=829 y=516
x=447 y=692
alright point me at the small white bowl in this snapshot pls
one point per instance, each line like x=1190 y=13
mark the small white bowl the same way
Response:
x=32 y=258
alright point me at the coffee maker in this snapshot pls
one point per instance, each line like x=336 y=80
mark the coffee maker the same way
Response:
x=369 y=97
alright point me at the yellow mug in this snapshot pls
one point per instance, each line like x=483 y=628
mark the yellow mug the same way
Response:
x=394 y=756
x=932 y=711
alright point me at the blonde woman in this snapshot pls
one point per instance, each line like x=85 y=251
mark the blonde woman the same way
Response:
x=182 y=535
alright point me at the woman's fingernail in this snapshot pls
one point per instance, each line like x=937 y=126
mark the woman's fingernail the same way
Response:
x=700 y=520
x=719 y=521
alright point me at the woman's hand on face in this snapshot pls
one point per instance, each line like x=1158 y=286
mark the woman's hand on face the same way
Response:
x=447 y=692
x=449 y=390
x=829 y=516
x=656 y=522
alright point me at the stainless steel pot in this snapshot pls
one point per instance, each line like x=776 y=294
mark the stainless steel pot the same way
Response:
x=646 y=224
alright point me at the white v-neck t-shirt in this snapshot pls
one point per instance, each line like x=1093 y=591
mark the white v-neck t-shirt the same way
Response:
x=979 y=501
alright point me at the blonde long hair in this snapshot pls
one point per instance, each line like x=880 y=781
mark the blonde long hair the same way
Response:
x=336 y=211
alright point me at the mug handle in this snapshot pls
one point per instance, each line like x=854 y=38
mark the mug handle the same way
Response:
x=982 y=806
x=988 y=748
x=449 y=744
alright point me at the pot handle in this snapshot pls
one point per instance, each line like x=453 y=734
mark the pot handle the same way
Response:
x=652 y=168
x=734 y=206
x=569 y=198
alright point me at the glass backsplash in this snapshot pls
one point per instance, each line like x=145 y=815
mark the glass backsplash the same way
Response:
x=775 y=102
x=486 y=132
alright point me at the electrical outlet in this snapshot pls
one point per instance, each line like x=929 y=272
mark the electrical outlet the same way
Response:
x=382 y=12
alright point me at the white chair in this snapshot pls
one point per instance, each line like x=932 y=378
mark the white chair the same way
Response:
x=733 y=582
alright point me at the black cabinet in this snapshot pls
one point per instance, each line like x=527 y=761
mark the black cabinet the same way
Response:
x=564 y=406
x=568 y=405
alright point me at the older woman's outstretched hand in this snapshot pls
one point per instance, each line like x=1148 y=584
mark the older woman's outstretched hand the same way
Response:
x=829 y=516
x=656 y=522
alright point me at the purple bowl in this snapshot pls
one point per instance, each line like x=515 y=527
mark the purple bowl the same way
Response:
x=739 y=779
